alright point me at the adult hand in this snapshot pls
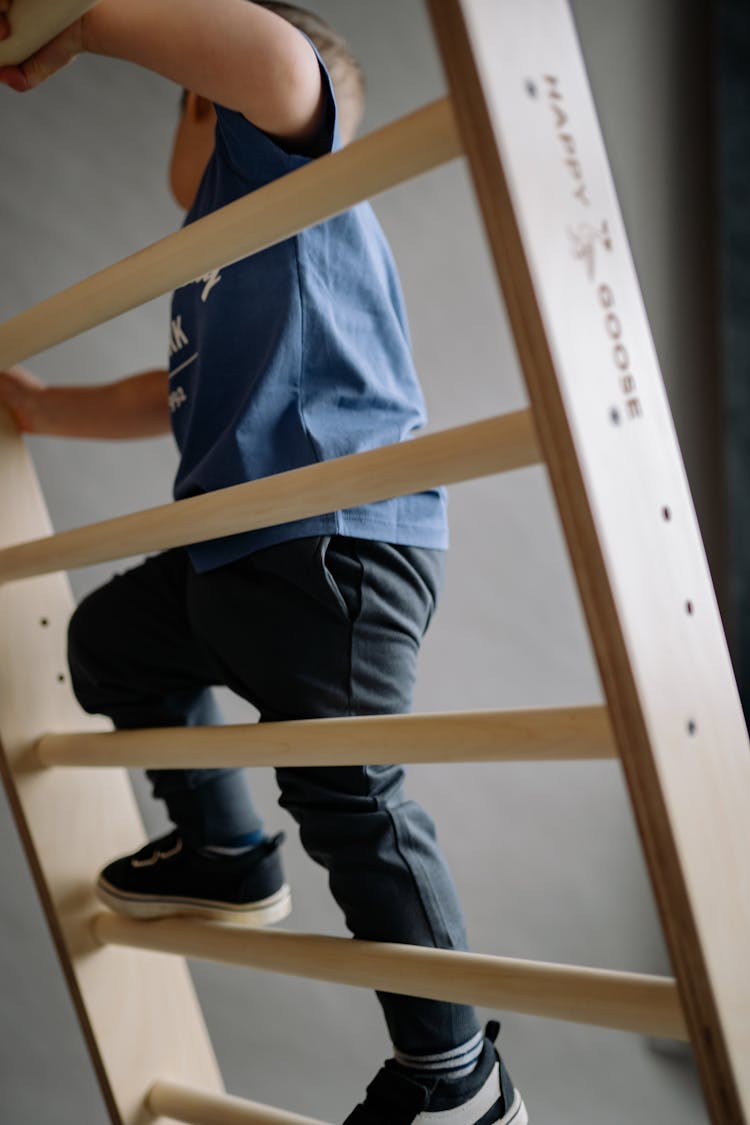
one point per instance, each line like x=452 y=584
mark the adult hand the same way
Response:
x=21 y=393
x=44 y=62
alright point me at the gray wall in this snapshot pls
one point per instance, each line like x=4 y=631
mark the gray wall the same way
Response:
x=733 y=52
x=546 y=857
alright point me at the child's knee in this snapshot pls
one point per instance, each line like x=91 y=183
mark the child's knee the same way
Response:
x=330 y=791
x=89 y=639
x=83 y=630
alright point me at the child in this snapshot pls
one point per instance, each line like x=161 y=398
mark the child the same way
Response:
x=294 y=356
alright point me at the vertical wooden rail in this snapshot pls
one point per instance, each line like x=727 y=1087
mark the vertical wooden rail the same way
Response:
x=530 y=130
x=529 y=126
x=138 y=1011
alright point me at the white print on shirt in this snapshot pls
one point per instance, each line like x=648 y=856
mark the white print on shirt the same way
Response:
x=209 y=279
x=176 y=399
x=182 y=366
x=178 y=396
x=177 y=336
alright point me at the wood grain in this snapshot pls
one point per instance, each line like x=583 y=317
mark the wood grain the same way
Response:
x=629 y=1001
x=389 y=156
x=541 y=173
x=200 y=1107
x=139 y=1016
x=463 y=453
x=542 y=735
x=34 y=23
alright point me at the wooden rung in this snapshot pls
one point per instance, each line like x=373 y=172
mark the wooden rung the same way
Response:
x=35 y=22
x=628 y=1001
x=321 y=189
x=138 y=1013
x=494 y=445
x=544 y=734
x=198 y=1107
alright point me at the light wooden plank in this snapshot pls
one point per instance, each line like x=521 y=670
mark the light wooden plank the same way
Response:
x=139 y=1015
x=35 y=22
x=542 y=735
x=479 y=449
x=629 y=1001
x=529 y=124
x=398 y=152
x=199 y=1107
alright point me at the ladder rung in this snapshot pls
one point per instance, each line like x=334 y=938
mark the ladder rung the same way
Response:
x=198 y=1107
x=542 y=734
x=479 y=449
x=385 y=158
x=628 y=1001
x=35 y=24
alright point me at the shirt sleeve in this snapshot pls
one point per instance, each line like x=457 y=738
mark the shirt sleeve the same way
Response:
x=259 y=158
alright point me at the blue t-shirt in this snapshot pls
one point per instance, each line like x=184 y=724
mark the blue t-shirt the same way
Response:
x=296 y=355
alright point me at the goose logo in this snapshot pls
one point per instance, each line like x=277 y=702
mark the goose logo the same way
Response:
x=585 y=240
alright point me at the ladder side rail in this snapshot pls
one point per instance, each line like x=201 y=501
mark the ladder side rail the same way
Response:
x=561 y=253
x=600 y=517
x=139 y=1017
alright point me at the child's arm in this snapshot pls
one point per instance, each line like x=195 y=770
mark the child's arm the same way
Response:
x=135 y=407
x=231 y=51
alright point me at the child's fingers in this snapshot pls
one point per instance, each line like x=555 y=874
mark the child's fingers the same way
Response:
x=14 y=77
x=46 y=62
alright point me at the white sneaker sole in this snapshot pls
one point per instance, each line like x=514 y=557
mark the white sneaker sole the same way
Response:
x=265 y=912
x=517 y=1114
x=477 y=1108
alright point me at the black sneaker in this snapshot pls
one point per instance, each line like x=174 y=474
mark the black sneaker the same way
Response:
x=486 y=1097
x=168 y=877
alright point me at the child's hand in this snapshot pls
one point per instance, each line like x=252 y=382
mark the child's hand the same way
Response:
x=21 y=393
x=46 y=61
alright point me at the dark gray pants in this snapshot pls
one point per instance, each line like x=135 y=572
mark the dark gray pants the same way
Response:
x=313 y=628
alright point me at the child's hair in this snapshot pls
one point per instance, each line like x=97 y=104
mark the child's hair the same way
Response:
x=345 y=71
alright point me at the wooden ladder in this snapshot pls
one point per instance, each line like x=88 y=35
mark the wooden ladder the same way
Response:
x=521 y=111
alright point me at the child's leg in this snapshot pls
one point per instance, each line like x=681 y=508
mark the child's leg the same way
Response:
x=328 y=628
x=386 y=870
x=134 y=657
x=313 y=628
x=389 y=877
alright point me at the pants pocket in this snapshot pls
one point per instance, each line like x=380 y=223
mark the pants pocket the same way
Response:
x=341 y=570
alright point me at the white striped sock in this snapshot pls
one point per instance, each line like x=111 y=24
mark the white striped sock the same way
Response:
x=220 y=850
x=456 y=1063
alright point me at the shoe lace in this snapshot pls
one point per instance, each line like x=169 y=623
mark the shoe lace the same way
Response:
x=167 y=847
